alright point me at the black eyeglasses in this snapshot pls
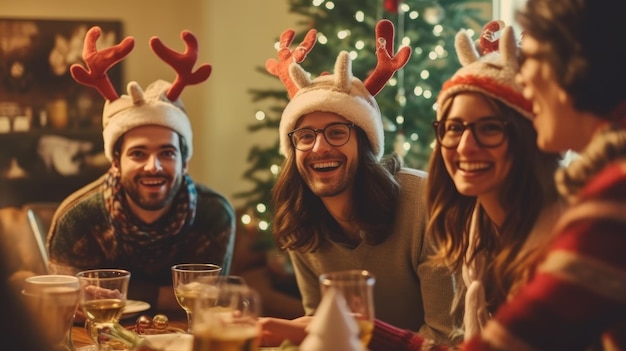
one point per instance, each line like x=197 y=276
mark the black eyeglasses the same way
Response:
x=336 y=134
x=488 y=132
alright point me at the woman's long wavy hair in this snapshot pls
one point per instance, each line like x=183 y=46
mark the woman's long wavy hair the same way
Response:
x=528 y=188
x=301 y=221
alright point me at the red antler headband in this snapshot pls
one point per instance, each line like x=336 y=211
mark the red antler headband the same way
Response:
x=158 y=105
x=340 y=93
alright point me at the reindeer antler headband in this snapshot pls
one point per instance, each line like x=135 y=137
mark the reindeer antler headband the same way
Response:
x=340 y=93
x=158 y=105
x=491 y=72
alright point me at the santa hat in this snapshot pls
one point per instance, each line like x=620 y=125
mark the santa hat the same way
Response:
x=158 y=105
x=488 y=67
x=340 y=92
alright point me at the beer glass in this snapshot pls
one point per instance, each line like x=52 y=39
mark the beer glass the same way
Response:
x=52 y=301
x=225 y=318
x=356 y=286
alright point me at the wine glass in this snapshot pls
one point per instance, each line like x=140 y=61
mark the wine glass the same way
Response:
x=102 y=298
x=188 y=279
x=356 y=286
x=225 y=317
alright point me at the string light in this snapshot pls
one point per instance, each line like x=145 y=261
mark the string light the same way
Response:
x=359 y=16
x=418 y=90
x=246 y=218
x=263 y=225
x=259 y=115
x=342 y=34
x=275 y=169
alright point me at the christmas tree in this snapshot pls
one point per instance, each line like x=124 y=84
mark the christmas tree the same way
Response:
x=407 y=103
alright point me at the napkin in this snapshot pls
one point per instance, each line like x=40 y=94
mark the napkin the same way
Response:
x=333 y=327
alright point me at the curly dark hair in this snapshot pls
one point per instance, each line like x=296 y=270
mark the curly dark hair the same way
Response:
x=573 y=33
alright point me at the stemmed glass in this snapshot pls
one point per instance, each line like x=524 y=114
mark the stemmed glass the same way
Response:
x=188 y=279
x=102 y=298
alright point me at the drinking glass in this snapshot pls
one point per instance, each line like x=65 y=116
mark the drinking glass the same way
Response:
x=225 y=318
x=356 y=286
x=187 y=279
x=103 y=298
x=52 y=301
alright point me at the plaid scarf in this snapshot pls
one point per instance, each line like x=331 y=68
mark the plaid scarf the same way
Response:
x=146 y=245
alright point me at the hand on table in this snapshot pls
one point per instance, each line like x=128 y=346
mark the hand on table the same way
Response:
x=276 y=330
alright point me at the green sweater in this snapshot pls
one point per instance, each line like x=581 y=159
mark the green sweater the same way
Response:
x=409 y=292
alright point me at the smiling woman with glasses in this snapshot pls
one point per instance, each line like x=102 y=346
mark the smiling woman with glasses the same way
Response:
x=488 y=132
x=335 y=134
x=490 y=191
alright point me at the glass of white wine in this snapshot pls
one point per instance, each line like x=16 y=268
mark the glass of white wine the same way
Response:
x=188 y=279
x=102 y=298
x=225 y=317
x=357 y=287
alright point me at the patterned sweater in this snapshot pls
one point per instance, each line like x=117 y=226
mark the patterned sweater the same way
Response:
x=76 y=240
x=576 y=299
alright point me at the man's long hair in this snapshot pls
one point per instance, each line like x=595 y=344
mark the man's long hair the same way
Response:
x=302 y=222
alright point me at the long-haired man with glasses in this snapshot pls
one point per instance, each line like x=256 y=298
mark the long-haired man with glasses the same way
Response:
x=339 y=205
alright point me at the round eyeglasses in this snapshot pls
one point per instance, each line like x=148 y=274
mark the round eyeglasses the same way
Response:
x=488 y=132
x=336 y=134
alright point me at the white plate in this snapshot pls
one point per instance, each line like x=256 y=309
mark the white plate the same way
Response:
x=133 y=307
x=171 y=342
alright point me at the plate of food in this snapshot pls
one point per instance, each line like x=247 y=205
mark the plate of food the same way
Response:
x=134 y=307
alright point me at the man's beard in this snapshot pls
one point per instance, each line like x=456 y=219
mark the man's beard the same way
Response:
x=149 y=203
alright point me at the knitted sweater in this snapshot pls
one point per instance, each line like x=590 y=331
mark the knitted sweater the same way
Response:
x=408 y=292
x=75 y=240
x=577 y=296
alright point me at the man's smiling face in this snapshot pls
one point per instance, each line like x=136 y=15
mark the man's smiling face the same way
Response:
x=327 y=170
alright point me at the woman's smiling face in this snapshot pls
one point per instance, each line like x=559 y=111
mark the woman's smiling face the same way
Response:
x=475 y=170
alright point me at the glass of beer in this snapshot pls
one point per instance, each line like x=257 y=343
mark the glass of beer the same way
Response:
x=102 y=297
x=357 y=287
x=225 y=318
x=188 y=279
x=52 y=300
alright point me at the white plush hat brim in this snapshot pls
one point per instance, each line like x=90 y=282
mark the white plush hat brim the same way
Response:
x=354 y=108
x=123 y=116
